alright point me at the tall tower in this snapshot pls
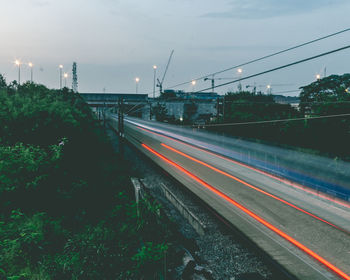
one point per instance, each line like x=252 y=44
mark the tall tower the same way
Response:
x=75 y=78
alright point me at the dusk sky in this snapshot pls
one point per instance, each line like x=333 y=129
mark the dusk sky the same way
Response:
x=114 y=41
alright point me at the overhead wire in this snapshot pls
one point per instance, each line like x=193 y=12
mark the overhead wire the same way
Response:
x=276 y=68
x=272 y=121
x=264 y=57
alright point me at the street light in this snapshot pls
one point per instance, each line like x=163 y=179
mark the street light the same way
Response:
x=137 y=80
x=18 y=63
x=154 y=80
x=268 y=89
x=318 y=77
x=240 y=71
x=193 y=83
x=30 y=64
x=65 y=75
x=60 y=67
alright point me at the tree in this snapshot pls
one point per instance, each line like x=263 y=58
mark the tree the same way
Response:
x=3 y=84
x=66 y=206
x=160 y=112
x=326 y=95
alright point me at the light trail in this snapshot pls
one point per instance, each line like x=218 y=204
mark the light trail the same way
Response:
x=250 y=186
x=284 y=181
x=252 y=215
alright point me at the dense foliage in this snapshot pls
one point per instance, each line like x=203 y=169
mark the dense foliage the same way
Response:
x=328 y=96
x=66 y=208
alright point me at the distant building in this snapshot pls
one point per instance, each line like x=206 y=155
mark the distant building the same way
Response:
x=196 y=107
x=179 y=94
x=292 y=100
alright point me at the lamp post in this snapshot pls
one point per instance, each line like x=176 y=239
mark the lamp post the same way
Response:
x=65 y=75
x=240 y=71
x=269 y=90
x=30 y=64
x=154 y=80
x=18 y=63
x=137 y=80
x=60 y=67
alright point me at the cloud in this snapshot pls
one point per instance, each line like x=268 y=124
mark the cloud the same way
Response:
x=248 y=9
x=41 y=3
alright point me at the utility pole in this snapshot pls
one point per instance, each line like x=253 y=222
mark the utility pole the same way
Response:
x=223 y=108
x=74 y=78
x=217 y=108
x=154 y=80
x=60 y=68
x=212 y=82
x=150 y=110
x=121 y=126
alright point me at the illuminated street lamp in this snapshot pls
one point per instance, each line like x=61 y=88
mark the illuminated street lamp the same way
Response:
x=268 y=89
x=193 y=83
x=318 y=77
x=65 y=76
x=60 y=67
x=30 y=64
x=18 y=63
x=154 y=80
x=137 y=80
x=240 y=71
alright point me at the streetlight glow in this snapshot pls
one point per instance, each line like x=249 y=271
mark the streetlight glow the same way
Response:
x=154 y=67
x=60 y=66
x=137 y=80
x=193 y=83
x=18 y=63
x=65 y=76
x=318 y=76
x=30 y=64
x=239 y=70
x=268 y=86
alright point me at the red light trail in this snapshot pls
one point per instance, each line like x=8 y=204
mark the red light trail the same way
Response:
x=252 y=214
x=249 y=185
x=287 y=182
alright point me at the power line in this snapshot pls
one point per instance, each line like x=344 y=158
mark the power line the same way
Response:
x=138 y=109
x=277 y=68
x=264 y=57
x=138 y=104
x=274 y=121
x=135 y=110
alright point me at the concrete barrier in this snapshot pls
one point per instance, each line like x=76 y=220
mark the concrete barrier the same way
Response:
x=185 y=212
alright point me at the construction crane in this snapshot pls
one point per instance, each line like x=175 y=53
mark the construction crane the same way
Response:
x=268 y=87
x=160 y=83
x=212 y=79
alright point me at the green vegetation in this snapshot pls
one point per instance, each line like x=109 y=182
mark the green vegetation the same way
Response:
x=328 y=96
x=66 y=201
x=160 y=112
